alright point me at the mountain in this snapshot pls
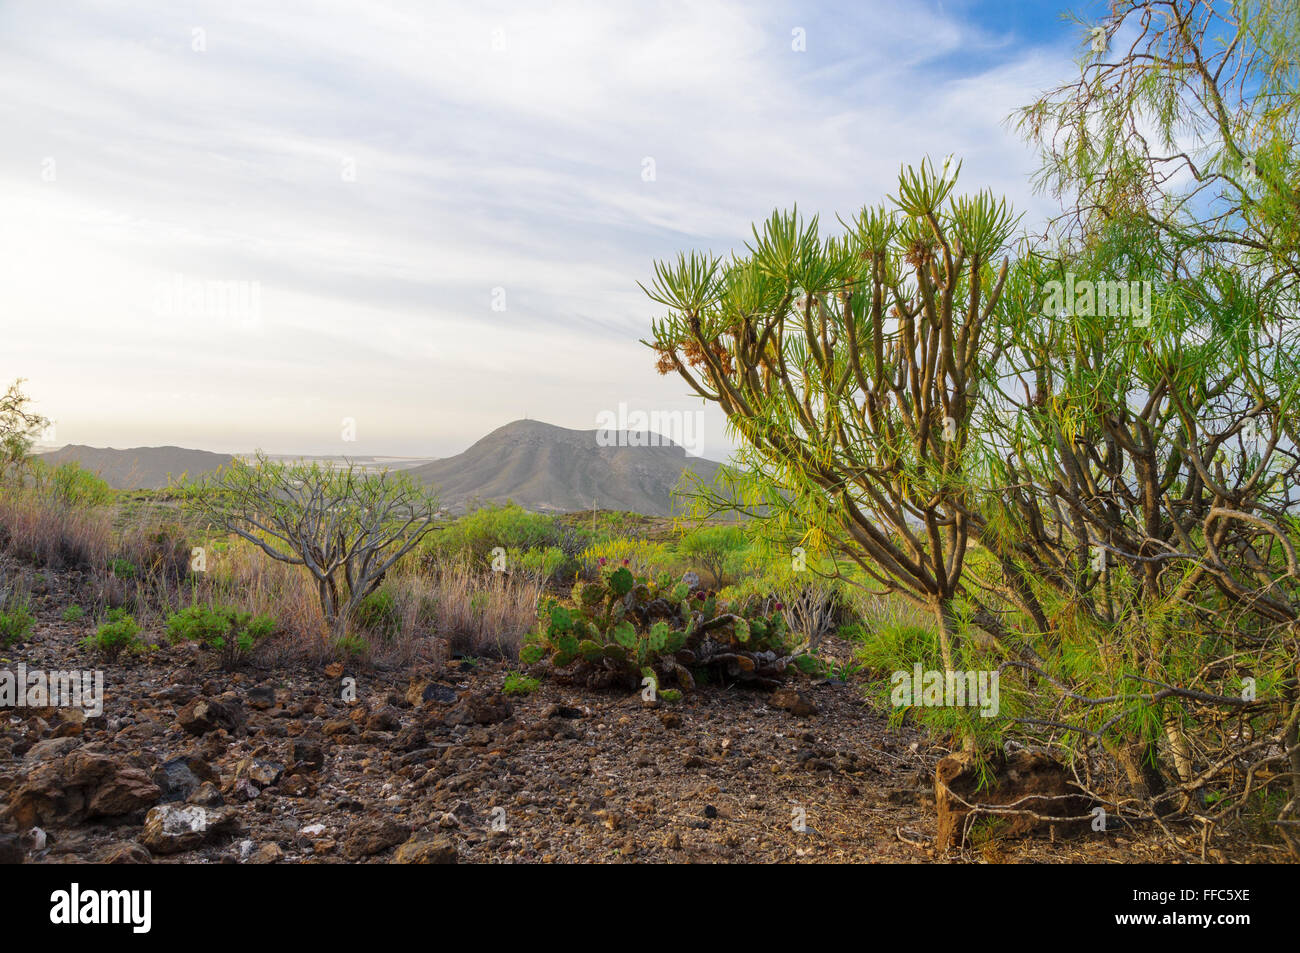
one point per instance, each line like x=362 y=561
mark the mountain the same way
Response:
x=548 y=468
x=537 y=465
x=140 y=468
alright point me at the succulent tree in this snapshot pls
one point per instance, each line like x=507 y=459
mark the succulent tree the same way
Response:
x=850 y=368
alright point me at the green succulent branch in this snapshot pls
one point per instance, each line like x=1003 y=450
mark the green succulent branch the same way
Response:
x=849 y=366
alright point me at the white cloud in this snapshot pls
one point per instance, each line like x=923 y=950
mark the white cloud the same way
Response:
x=475 y=168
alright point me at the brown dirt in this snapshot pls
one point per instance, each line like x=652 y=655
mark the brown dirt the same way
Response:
x=578 y=775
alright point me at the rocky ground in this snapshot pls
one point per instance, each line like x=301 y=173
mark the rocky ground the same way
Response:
x=192 y=764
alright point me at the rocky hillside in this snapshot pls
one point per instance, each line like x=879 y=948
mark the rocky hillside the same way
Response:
x=548 y=468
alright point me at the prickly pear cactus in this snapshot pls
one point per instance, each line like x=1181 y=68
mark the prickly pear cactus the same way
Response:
x=620 y=627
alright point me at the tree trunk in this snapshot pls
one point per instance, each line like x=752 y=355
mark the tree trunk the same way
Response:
x=1137 y=758
x=1182 y=755
x=1292 y=741
x=949 y=645
x=329 y=605
x=949 y=637
x=1178 y=746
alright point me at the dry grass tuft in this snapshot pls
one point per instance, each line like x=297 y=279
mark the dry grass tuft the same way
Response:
x=38 y=529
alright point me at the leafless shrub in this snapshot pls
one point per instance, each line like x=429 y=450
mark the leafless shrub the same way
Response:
x=345 y=527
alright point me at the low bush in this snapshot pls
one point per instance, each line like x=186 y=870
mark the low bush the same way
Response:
x=121 y=633
x=892 y=642
x=351 y=647
x=517 y=683
x=231 y=633
x=15 y=622
x=74 y=486
x=475 y=535
x=122 y=568
x=641 y=556
x=378 y=613
x=540 y=564
x=718 y=550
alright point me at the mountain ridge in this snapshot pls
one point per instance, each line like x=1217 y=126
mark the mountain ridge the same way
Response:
x=139 y=468
x=539 y=466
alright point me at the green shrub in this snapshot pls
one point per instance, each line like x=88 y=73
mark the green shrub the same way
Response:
x=898 y=645
x=121 y=633
x=122 y=568
x=351 y=646
x=15 y=622
x=719 y=550
x=641 y=556
x=540 y=563
x=378 y=612
x=74 y=486
x=613 y=524
x=887 y=647
x=509 y=527
x=73 y=614
x=519 y=684
x=230 y=632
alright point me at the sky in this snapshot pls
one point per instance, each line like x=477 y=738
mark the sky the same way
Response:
x=390 y=228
